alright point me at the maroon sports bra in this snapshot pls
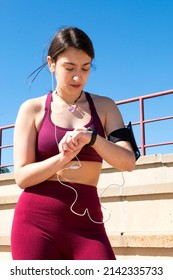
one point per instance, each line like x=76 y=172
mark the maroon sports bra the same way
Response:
x=46 y=145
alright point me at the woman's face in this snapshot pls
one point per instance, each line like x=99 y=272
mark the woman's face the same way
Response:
x=72 y=69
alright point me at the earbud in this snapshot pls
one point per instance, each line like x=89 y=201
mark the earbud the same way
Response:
x=52 y=67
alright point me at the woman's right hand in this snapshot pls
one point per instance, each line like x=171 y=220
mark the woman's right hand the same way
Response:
x=74 y=141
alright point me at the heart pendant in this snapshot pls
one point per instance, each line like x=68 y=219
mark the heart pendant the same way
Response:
x=72 y=108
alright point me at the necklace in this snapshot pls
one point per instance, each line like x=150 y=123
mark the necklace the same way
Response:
x=72 y=106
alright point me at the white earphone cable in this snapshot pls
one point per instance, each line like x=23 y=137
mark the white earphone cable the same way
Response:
x=86 y=211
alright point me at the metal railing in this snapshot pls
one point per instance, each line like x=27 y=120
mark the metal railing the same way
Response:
x=142 y=121
x=3 y=128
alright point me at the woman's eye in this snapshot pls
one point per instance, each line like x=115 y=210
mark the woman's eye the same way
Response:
x=69 y=69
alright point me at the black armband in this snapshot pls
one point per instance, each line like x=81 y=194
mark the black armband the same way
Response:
x=125 y=134
x=93 y=137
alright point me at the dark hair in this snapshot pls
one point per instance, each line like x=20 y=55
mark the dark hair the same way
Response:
x=70 y=37
x=65 y=38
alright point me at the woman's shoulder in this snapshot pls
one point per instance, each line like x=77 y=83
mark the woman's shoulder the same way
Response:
x=35 y=104
x=103 y=100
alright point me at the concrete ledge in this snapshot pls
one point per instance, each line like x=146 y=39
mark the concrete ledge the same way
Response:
x=149 y=160
x=125 y=191
x=143 y=160
x=113 y=192
x=4 y=240
x=128 y=239
x=7 y=176
x=10 y=199
x=142 y=239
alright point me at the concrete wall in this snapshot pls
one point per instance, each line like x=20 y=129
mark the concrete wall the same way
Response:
x=140 y=204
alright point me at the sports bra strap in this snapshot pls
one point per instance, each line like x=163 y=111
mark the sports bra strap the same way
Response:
x=92 y=106
x=48 y=101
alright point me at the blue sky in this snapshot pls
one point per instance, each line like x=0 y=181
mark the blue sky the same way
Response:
x=133 y=43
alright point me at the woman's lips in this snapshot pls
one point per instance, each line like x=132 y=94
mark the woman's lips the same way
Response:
x=76 y=86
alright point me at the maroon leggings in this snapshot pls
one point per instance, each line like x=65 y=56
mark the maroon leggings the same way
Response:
x=45 y=228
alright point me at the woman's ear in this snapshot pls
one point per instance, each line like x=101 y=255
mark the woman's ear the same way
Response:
x=51 y=64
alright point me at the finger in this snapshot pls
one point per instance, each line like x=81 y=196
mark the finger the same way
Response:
x=71 y=142
x=72 y=139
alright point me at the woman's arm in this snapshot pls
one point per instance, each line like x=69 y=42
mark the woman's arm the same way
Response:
x=28 y=172
x=119 y=155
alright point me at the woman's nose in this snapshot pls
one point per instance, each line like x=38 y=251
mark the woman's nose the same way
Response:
x=77 y=77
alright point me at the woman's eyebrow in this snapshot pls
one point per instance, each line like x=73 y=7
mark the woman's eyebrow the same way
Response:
x=71 y=63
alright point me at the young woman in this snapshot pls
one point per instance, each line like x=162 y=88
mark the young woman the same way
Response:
x=60 y=140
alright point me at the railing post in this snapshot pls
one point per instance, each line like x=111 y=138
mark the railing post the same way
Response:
x=0 y=144
x=142 y=128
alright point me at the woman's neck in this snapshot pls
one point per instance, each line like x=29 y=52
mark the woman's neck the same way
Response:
x=71 y=103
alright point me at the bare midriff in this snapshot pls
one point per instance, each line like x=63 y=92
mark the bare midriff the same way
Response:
x=85 y=172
